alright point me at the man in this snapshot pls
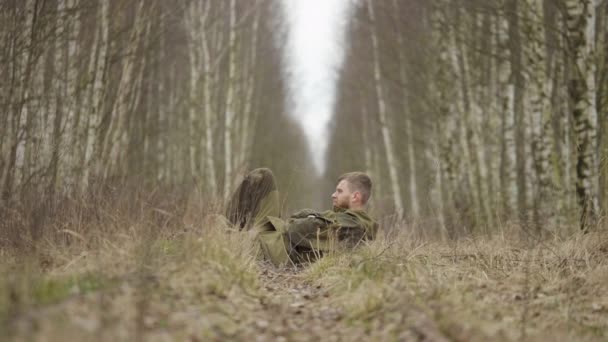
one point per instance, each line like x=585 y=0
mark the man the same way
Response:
x=307 y=234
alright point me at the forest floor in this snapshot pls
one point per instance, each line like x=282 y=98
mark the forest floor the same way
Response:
x=207 y=284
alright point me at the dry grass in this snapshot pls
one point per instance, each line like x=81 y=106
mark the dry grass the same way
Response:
x=476 y=288
x=149 y=268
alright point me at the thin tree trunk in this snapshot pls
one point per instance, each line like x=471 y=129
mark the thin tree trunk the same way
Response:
x=540 y=111
x=159 y=138
x=59 y=63
x=566 y=137
x=436 y=193
x=132 y=135
x=230 y=114
x=471 y=148
x=446 y=131
x=113 y=142
x=581 y=86
x=195 y=29
x=208 y=115
x=248 y=121
x=512 y=10
x=71 y=95
x=87 y=111
x=386 y=134
x=413 y=187
x=94 y=139
x=367 y=141
x=25 y=107
x=603 y=110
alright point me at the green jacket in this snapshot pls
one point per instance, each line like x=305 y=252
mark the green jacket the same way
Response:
x=308 y=234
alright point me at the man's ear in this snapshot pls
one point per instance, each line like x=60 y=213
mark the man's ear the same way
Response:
x=357 y=195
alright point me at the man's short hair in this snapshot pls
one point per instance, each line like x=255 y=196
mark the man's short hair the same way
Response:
x=358 y=181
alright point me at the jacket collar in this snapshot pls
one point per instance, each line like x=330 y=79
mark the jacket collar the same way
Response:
x=338 y=209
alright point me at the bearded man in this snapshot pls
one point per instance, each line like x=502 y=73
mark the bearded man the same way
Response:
x=307 y=234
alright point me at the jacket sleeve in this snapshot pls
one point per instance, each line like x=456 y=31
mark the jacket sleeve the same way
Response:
x=351 y=229
x=304 y=213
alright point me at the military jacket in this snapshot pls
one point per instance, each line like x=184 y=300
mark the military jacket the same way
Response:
x=308 y=234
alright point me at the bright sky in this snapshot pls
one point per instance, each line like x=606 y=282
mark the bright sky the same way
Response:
x=314 y=52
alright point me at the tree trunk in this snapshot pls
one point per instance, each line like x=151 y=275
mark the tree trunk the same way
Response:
x=194 y=25
x=386 y=134
x=581 y=87
x=209 y=117
x=114 y=140
x=446 y=131
x=26 y=110
x=603 y=110
x=407 y=113
x=540 y=88
x=512 y=10
x=249 y=74
x=469 y=137
x=94 y=139
x=230 y=114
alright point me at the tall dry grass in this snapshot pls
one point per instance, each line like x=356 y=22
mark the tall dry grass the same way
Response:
x=124 y=263
x=508 y=286
x=105 y=261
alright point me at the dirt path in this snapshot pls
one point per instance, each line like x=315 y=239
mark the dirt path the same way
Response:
x=303 y=312
x=299 y=311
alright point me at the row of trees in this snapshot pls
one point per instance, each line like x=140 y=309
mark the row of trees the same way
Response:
x=476 y=112
x=97 y=91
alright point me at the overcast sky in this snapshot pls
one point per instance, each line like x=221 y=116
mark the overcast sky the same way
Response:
x=314 y=52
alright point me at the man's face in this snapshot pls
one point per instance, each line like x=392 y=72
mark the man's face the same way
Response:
x=342 y=196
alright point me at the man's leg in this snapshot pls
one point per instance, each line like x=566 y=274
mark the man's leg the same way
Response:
x=253 y=202
x=256 y=198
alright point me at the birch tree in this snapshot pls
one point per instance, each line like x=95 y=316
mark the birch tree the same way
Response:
x=383 y=120
x=539 y=73
x=507 y=91
x=413 y=191
x=101 y=91
x=581 y=86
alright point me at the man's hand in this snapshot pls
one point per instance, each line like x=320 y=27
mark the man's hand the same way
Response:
x=304 y=213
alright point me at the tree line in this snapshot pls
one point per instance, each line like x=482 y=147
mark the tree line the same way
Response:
x=97 y=92
x=478 y=112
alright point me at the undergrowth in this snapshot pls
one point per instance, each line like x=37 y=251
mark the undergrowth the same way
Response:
x=151 y=266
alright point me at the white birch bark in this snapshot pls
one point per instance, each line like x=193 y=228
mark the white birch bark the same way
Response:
x=248 y=118
x=194 y=19
x=88 y=111
x=446 y=132
x=367 y=141
x=205 y=80
x=467 y=136
x=209 y=120
x=230 y=105
x=540 y=110
x=382 y=113
x=93 y=135
x=24 y=110
x=203 y=70
x=491 y=121
x=411 y=154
